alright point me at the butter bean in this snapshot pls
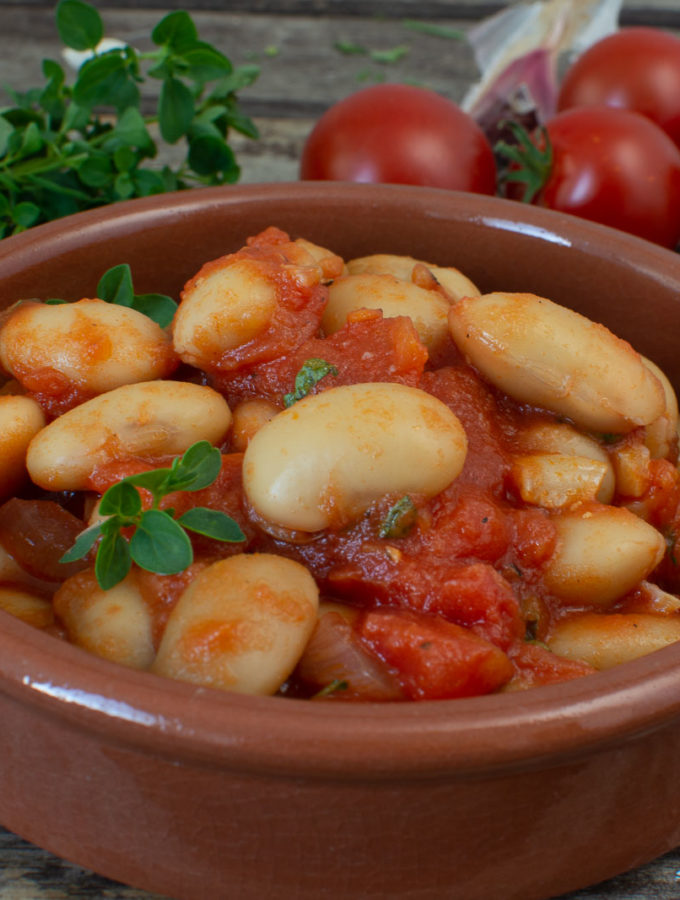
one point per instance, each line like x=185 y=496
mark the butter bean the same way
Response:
x=241 y=625
x=225 y=305
x=21 y=418
x=604 y=641
x=331 y=265
x=661 y=436
x=553 y=480
x=92 y=344
x=151 y=419
x=451 y=279
x=326 y=459
x=30 y=608
x=428 y=310
x=114 y=624
x=544 y=354
x=558 y=437
x=602 y=553
x=249 y=417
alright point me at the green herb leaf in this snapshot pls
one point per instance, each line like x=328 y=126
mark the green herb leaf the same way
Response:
x=121 y=500
x=350 y=49
x=309 y=375
x=205 y=63
x=158 y=307
x=400 y=519
x=210 y=153
x=386 y=57
x=113 y=561
x=115 y=286
x=160 y=544
x=84 y=543
x=530 y=161
x=331 y=688
x=440 y=31
x=175 y=110
x=25 y=214
x=176 y=30
x=196 y=469
x=212 y=523
x=79 y=24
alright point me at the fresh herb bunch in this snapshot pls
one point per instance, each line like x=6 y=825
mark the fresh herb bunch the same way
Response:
x=159 y=542
x=66 y=148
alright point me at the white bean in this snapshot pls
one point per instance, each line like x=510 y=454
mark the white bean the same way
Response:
x=428 y=310
x=604 y=641
x=541 y=353
x=115 y=624
x=602 y=553
x=558 y=437
x=661 y=436
x=228 y=303
x=631 y=461
x=326 y=459
x=451 y=279
x=331 y=265
x=21 y=418
x=92 y=344
x=552 y=480
x=241 y=625
x=150 y=419
x=30 y=608
x=248 y=417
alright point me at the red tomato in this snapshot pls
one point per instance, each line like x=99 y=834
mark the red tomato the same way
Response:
x=617 y=168
x=400 y=134
x=636 y=69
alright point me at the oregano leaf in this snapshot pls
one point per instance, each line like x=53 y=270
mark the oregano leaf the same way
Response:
x=113 y=561
x=160 y=544
x=79 y=24
x=212 y=523
x=115 y=286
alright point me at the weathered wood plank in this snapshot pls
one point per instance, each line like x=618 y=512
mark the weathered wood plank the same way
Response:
x=388 y=9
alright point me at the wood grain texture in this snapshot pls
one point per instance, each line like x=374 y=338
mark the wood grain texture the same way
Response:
x=301 y=74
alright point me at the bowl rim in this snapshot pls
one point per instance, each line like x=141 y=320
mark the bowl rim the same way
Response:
x=334 y=739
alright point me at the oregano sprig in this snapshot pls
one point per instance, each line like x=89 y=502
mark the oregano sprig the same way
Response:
x=70 y=147
x=115 y=286
x=158 y=542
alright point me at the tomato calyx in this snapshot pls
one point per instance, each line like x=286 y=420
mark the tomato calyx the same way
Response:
x=530 y=159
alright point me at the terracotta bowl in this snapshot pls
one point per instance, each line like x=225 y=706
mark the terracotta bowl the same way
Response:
x=196 y=793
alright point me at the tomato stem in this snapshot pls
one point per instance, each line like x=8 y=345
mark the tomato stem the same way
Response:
x=530 y=159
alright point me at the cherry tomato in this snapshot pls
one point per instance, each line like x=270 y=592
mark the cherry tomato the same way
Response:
x=400 y=134
x=617 y=168
x=636 y=69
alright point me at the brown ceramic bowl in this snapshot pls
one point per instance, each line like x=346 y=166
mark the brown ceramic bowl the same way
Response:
x=196 y=793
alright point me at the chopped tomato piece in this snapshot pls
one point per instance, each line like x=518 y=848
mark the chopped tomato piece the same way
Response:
x=536 y=665
x=434 y=659
x=368 y=348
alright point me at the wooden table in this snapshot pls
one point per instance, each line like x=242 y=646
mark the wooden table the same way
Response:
x=294 y=42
